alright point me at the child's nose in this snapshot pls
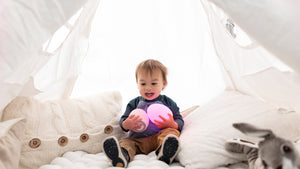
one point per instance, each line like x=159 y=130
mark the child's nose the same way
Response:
x=148 y=88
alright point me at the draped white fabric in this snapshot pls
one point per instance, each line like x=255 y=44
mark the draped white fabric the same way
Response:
x=25 y=27
x=255 y=70
x=104 y=47
x=274 y=24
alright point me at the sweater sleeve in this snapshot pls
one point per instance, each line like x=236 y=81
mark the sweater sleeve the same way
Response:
x=176 y=113
x=130 y=106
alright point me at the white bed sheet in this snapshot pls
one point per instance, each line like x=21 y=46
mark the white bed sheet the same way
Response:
x=83 y=160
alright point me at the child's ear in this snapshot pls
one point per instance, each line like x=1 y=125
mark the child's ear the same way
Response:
x=164 y=85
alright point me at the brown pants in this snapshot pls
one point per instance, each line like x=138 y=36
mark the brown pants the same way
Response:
x=145 y=145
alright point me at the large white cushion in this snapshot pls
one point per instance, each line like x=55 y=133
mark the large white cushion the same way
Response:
x=207 y=128
x=49 y=122
x=11 y=135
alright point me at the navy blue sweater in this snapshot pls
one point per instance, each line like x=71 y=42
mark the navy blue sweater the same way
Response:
x=140 y=102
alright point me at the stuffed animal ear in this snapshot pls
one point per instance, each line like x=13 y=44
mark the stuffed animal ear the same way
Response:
x=240 y=146
x=251 y=130
x=245 y=147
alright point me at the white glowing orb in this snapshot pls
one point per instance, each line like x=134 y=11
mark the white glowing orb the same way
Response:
x=156 y=109
x=144 y=121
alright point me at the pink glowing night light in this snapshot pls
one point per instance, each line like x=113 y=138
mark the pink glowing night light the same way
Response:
x=144 y=121
x=156 y=109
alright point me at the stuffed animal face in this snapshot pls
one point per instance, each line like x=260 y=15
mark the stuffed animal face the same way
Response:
x=272 y=152
x=277 y=153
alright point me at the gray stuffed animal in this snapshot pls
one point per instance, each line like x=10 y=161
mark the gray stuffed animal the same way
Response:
x=271 y=153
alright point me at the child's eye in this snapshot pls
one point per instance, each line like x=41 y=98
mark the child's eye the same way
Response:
x=143 y=84
x=154 y=84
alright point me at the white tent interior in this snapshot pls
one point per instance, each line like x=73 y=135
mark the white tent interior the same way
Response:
x=53 y=50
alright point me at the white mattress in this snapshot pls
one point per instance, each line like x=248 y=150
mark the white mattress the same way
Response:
x=83 y=160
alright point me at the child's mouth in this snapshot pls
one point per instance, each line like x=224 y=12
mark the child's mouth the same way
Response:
x=149 y=94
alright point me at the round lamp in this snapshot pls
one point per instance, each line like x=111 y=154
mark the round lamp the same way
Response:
x=144 y=121
x=156 y=109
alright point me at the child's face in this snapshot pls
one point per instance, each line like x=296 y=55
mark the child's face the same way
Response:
x=150 y=86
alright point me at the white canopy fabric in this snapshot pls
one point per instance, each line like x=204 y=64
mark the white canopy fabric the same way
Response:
x=95 y=52
x=255 y=70
x=274 y=24
x=25 y=28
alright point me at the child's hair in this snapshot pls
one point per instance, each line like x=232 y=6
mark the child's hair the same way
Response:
x=149 y=66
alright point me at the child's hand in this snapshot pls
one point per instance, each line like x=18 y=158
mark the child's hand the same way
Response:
x=132 y=122
x=166 y=123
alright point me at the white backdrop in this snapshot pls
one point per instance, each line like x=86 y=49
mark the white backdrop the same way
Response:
x=175 y=32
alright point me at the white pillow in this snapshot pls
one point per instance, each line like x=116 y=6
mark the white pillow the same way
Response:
x=208 y=127
x=55 y=127
x=11 y=135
